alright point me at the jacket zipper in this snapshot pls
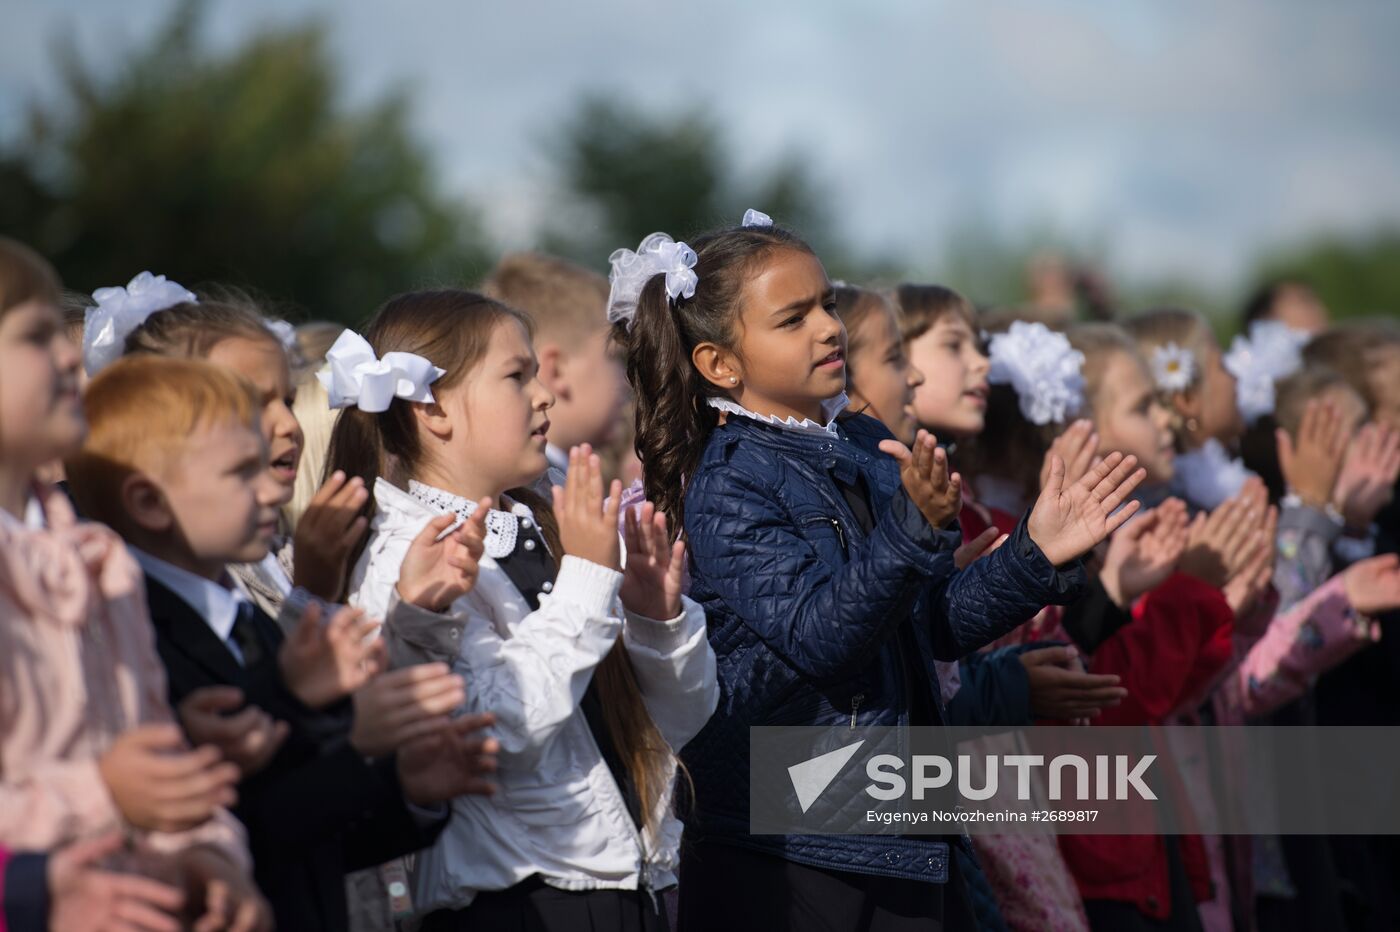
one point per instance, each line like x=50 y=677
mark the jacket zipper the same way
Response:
x=840 y=532
x=856 y=700
x=643 y=862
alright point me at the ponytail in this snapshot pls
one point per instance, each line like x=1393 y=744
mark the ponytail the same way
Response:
x=673 y=417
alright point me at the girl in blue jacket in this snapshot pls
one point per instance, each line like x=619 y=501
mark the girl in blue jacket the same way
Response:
x=822 y=551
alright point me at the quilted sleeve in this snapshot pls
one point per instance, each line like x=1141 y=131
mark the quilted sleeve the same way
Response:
x=825 y=622
x=1302 y=643
x=998 y=592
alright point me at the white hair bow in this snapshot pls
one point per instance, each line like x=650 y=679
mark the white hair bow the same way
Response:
x=353 y=375
x=1045 y=371
x=1270 y=352
x=658 y=254
x=756 y=218
x=119 y=311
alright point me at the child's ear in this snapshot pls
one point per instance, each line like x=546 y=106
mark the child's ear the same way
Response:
x=719 y=366
x=432 y=418
x=145 y=504
x=553 y=361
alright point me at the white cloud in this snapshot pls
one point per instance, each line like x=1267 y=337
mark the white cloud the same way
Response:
x=1189 y=136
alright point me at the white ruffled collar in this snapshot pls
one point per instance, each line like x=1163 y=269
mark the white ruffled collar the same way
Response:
x=1208 y=476
x=830 y=408
x=502 y=527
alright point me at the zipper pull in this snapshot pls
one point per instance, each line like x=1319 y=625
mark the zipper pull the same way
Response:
x=855 y=705
x=840 y=532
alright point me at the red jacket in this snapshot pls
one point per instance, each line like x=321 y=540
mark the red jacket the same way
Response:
x=1179 y=639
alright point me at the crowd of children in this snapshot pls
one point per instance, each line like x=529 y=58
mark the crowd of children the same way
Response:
x=460 y=620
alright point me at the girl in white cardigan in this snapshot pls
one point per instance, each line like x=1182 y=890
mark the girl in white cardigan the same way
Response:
x=596 y=676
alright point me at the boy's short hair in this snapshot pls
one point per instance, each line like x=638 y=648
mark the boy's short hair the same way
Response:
x=1293 y=393
x=564 y=300
x=1352 y=351
x=142 y=412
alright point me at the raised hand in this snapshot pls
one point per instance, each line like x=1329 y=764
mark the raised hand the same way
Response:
x=159 y=784
x=329 y=530
x=979 y=547
x=1068 y=520
x=324 y=663
x=1373 y=585
x=1221 y=543
x=1311 y=463
x=587 y=521
x=924 y=472
x=1144 y=552
x=651 y=580
x=1078 y=447
x=404 y=704
x=223 y=897
x=85 y=898
x=1060 y=688
x=246 y=736
x=1366 y=482
x=1251 y=579
x=438 y=570
x=454 y=760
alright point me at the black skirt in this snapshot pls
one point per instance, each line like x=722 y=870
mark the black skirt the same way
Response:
x=534 y=906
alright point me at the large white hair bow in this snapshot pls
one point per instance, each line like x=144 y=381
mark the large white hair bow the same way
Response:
x=1043 y=368
x=353 y=375
x=1270 y=352
x=658 y=254
x=120 y=311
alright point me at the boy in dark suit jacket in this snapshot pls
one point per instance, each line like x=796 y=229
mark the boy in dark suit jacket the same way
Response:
x=176 y=464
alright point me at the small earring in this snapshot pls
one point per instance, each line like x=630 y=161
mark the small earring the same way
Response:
x=1192 y=425
x=733 y=380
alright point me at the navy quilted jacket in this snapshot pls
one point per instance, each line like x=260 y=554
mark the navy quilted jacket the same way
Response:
x=803 y=608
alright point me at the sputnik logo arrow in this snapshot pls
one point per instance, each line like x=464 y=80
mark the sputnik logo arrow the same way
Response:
x=811 y=777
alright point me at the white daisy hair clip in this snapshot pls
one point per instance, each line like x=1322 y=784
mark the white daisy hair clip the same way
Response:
x=1173 y=368
x=1271 y=351
x=119 y=311
x=353 y=375
x=1043 y=368
x=658 y=254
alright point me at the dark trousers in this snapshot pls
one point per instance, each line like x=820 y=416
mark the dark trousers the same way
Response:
x=733 y=889
x=534 y=906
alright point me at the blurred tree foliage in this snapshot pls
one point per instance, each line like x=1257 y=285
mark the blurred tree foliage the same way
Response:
x=624 y=173
x=1356 y=276
x=242 y=169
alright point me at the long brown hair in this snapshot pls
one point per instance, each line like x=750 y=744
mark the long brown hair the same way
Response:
x=452 y=328
x=673 y=419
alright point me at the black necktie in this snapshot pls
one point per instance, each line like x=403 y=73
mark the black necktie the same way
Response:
x=245 y=634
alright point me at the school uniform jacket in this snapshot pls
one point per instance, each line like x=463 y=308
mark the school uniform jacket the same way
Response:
x=319 y=808
x=558 y=812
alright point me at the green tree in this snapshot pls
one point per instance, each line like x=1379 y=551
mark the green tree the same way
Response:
x=624 y=173
x=243 y=168
x=1356 y=276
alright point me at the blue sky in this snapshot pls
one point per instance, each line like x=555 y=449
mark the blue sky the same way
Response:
x=1186 y=138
